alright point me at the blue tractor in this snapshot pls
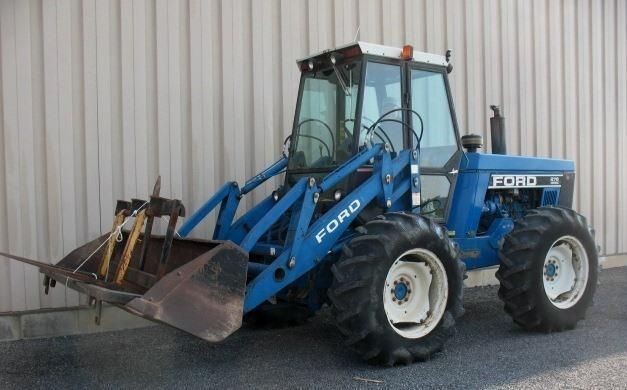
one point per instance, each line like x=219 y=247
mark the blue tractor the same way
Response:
x=381 y=211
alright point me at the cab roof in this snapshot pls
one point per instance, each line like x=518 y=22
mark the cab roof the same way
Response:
x=378 y=50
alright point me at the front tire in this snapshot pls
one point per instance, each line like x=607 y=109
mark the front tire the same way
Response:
x=397 y=290
x=549 y=269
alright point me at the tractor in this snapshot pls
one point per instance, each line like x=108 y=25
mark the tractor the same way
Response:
x=381 y=210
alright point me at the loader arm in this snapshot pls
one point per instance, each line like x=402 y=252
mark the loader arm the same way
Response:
x=228 y=197
x=307 y=244
x=312 y=242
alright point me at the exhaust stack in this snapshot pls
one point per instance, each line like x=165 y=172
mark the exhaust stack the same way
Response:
x=497 y=129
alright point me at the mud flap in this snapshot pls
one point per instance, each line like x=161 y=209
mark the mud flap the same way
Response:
x=204 y=297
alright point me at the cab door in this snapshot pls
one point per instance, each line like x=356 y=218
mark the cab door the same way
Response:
x=440 y=151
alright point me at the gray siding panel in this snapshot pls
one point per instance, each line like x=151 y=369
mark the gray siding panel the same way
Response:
x=99 y=97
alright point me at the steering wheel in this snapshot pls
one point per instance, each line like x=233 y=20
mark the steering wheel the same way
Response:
x=387 y=138
x=372 y=129
x=330 y=151
x=378 y=131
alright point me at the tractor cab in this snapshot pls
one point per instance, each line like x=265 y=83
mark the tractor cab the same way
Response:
x=356 y=96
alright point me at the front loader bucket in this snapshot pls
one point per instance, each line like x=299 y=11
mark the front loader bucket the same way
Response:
x=204 y=297
x=201 y=291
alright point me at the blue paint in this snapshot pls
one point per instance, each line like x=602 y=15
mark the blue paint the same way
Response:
x=204 y=210
x=498 y=163
x=242 y=226
x=228 y=197
x=469 y=203
x=228 y=207
x=273 y=215
x=400 y=291
x=482 y=251
x=267 y=173
x=320 y=237
x=311 y=239
x=550 y=270
x=550 y=197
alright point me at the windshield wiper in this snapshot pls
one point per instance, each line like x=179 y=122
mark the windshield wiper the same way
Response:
x=341 y=80
x=340 y=77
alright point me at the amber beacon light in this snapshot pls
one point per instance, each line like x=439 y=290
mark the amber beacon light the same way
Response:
x=407 y=53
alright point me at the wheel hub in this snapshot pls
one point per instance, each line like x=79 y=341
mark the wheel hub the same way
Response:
x=550 y=269
x=401 y=290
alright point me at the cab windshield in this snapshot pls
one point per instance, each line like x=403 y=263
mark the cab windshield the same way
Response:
x=323 y=133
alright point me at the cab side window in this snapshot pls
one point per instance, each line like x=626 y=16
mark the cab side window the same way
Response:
x=430 y=101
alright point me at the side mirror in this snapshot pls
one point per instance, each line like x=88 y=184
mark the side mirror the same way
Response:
x=286 y=146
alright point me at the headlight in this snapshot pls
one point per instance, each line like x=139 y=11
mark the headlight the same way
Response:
x=337 y=195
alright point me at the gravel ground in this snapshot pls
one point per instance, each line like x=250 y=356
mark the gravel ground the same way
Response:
x=488 y=351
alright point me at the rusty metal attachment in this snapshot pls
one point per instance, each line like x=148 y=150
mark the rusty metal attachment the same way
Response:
x=148 y=231
x=205 y=297
x=194 y=285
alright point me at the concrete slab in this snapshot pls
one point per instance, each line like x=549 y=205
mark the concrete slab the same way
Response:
x=49 y=323
x=65 y=322
x=614 y=261
x=482 y=277
x=113 y=318
x=9 y=328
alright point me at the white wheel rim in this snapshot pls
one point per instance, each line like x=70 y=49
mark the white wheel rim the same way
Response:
x=420 y=274
x=565 y=272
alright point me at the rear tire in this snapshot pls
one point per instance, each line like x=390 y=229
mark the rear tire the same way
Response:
x=364 y=298
x=549 y=269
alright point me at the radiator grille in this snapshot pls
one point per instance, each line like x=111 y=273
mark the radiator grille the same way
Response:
x=550 y=196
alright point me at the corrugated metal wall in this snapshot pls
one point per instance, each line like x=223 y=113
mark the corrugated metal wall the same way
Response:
x=99 y=97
